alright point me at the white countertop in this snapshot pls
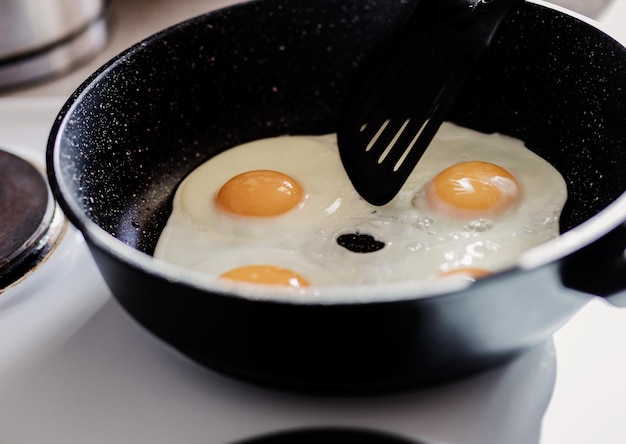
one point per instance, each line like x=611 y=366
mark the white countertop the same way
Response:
x=75 y=369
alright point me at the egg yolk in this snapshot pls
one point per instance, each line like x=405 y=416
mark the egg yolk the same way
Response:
x=470 y=273
x=259 y=193
x=266 y=274
x=472 y=189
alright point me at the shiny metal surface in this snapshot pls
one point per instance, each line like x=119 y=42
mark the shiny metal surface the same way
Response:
x=39 y=38
x=30 y=25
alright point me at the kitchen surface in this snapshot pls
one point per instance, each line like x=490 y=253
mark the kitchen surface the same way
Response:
x=74 y=368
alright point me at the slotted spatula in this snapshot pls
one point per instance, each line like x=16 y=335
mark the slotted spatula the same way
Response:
x=391 y=117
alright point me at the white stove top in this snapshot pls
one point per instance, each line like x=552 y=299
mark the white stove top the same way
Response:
x=74 y=368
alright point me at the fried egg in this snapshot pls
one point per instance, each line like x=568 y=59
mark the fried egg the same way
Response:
x=238 y=194
x=281 y=211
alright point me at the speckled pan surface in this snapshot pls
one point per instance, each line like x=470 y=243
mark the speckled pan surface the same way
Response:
x=231 y=77
x=128 y=136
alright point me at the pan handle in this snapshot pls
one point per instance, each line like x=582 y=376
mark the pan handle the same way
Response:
x=599 y=268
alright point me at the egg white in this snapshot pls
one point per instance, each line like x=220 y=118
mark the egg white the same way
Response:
x=229 y=259
x=312 y=162
x=419 y=243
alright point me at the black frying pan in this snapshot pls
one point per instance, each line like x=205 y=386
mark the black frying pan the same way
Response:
x=131 y=132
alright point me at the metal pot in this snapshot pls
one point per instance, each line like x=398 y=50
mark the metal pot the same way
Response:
x=40 y=38
x=131 y=132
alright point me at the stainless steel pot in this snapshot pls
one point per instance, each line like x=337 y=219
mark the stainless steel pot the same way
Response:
x=39 y=38
x=131 y=132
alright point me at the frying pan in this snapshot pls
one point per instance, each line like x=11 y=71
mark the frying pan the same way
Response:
x=141 y=123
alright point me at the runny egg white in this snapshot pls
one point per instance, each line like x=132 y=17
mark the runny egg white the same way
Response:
x=282 y=211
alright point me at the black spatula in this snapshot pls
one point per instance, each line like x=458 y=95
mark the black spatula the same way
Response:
x=393 y=114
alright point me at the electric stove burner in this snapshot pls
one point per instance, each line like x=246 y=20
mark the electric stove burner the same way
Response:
x=30 y=222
